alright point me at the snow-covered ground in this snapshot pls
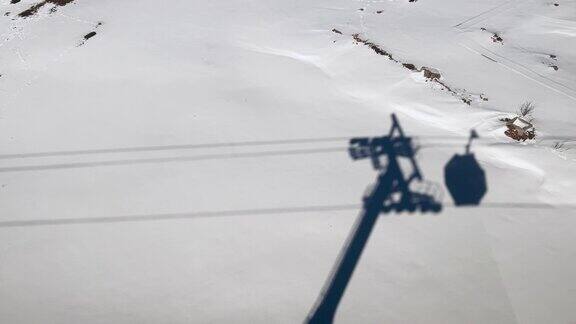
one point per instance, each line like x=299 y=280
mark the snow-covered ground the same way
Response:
x=188 y=163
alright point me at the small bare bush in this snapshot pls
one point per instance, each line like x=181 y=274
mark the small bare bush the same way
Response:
x=560 y=147
x=526 y=109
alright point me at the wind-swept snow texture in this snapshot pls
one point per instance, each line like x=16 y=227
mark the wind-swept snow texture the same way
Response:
x=186 y=161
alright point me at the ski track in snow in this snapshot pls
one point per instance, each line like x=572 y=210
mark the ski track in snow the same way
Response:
x=487 y=14
x=521 y=69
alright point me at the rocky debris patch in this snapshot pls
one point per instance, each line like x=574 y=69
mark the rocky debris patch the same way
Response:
x=60 y=2
x=519 y=130
x=410 y=66
x=496 y=38
x=430 y=74
x=462 y=94
x=34 y=8
x=520 y=127
x=552 y=62
x=374 y=47
x=90 y=34
x=549 y=60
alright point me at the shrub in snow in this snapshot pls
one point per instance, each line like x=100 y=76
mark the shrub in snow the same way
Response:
x=526 y=109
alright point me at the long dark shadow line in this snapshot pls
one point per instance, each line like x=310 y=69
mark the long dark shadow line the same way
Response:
x=155 y=148
x=172 y=147
x=168 y=159
x=522 y=205
x=175 y=216
x=244 y=212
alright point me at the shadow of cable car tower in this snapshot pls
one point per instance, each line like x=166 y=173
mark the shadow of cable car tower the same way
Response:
x=392 y=191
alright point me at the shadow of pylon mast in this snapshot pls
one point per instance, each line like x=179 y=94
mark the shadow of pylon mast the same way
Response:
x=391 y=192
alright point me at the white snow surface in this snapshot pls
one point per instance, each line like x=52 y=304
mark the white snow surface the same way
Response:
x=153 y=121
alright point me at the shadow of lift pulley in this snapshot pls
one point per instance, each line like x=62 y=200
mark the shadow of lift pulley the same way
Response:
x=464 y=178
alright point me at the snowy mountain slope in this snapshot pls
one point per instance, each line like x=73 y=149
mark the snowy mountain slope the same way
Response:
x=188 y=162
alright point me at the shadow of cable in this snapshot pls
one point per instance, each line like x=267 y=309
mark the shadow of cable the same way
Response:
x=176 y=216
x=174 y=147
x=76 y=165
x=171 y=147
x=241 y=212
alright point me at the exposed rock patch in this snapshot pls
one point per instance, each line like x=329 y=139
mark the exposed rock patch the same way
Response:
x=89 y=35
x=409 y=66
x=431 y=74
x=34 y=8
x=496 y=38
x=374 y=47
